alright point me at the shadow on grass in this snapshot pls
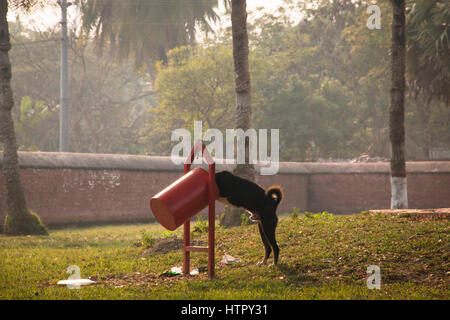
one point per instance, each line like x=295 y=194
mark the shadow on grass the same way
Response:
x=293 y=275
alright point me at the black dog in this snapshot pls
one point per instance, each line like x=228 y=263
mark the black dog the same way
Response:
x=261 y=205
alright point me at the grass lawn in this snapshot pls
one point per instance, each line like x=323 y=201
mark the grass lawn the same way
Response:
x=322 y=257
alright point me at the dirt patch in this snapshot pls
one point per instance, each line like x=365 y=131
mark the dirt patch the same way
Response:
x=143 y=279
x=438 y=214
x=166 y=245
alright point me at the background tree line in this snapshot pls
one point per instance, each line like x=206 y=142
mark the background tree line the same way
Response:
x=107 y=100
x=323 y=81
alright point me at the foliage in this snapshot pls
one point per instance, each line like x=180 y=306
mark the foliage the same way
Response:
x=107 y=101
x=146 y=29
x=35 y=125
x=245 y=221
x=323 y=81
x=168 y=234
x=148 y=240
x=295 y=213
x=196 y=84
x=26 y=5
x=428 y=48
x=201 y=225
x=324 y=214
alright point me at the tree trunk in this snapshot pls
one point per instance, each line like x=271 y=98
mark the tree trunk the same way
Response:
x=18 y=219
x=243 y=95
x=399 y=199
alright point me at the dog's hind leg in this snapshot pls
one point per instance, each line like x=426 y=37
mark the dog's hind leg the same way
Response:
x=268 y=227
x=266 y=243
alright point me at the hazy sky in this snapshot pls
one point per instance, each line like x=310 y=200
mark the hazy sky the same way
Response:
x=50 y=15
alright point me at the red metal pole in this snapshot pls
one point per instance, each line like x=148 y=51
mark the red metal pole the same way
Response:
x=187 y=236
x=187 y=254
x=211 y=214
x=211 y=220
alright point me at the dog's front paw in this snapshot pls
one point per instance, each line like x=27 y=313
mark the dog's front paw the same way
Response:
x=261 y=263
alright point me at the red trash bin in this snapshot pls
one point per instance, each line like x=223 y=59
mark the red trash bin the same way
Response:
x=182 y=199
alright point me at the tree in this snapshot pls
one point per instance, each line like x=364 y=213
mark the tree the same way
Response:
x=427 y=67
x=243 y=94
x=19 y=220
x=428 y=60
x=399 y=199
x=195 y=84
x=108 y=101
x=309 y=87
x=147 y=29
x=428 y=49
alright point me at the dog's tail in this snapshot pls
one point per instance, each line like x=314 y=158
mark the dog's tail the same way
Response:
x=275 y=193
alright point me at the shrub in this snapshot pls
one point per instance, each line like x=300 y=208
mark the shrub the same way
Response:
x=168 y=234
x=245 y=221
x=147 y=240
x=324 y=214
x=295 y=213
x=201 y=226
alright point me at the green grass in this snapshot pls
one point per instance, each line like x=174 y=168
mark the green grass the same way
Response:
x=322 y=257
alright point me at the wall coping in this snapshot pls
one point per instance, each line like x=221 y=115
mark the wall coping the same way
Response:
x=97 y=161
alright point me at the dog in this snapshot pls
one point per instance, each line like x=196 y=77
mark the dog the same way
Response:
x=259 y=203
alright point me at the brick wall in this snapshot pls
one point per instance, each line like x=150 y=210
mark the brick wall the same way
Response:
x=66 y=188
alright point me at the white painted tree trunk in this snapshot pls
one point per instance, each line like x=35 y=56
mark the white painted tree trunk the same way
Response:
x=399 y=194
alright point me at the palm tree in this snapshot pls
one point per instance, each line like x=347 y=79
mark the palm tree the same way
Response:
x=428 y=48
x=428 y=57
x=243 y=95
x=146 y=29
x=399 y=199
x=19 y=220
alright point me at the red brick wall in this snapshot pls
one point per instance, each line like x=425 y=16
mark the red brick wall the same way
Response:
x=73 y=188
x=294 y=190
x=344 y=193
